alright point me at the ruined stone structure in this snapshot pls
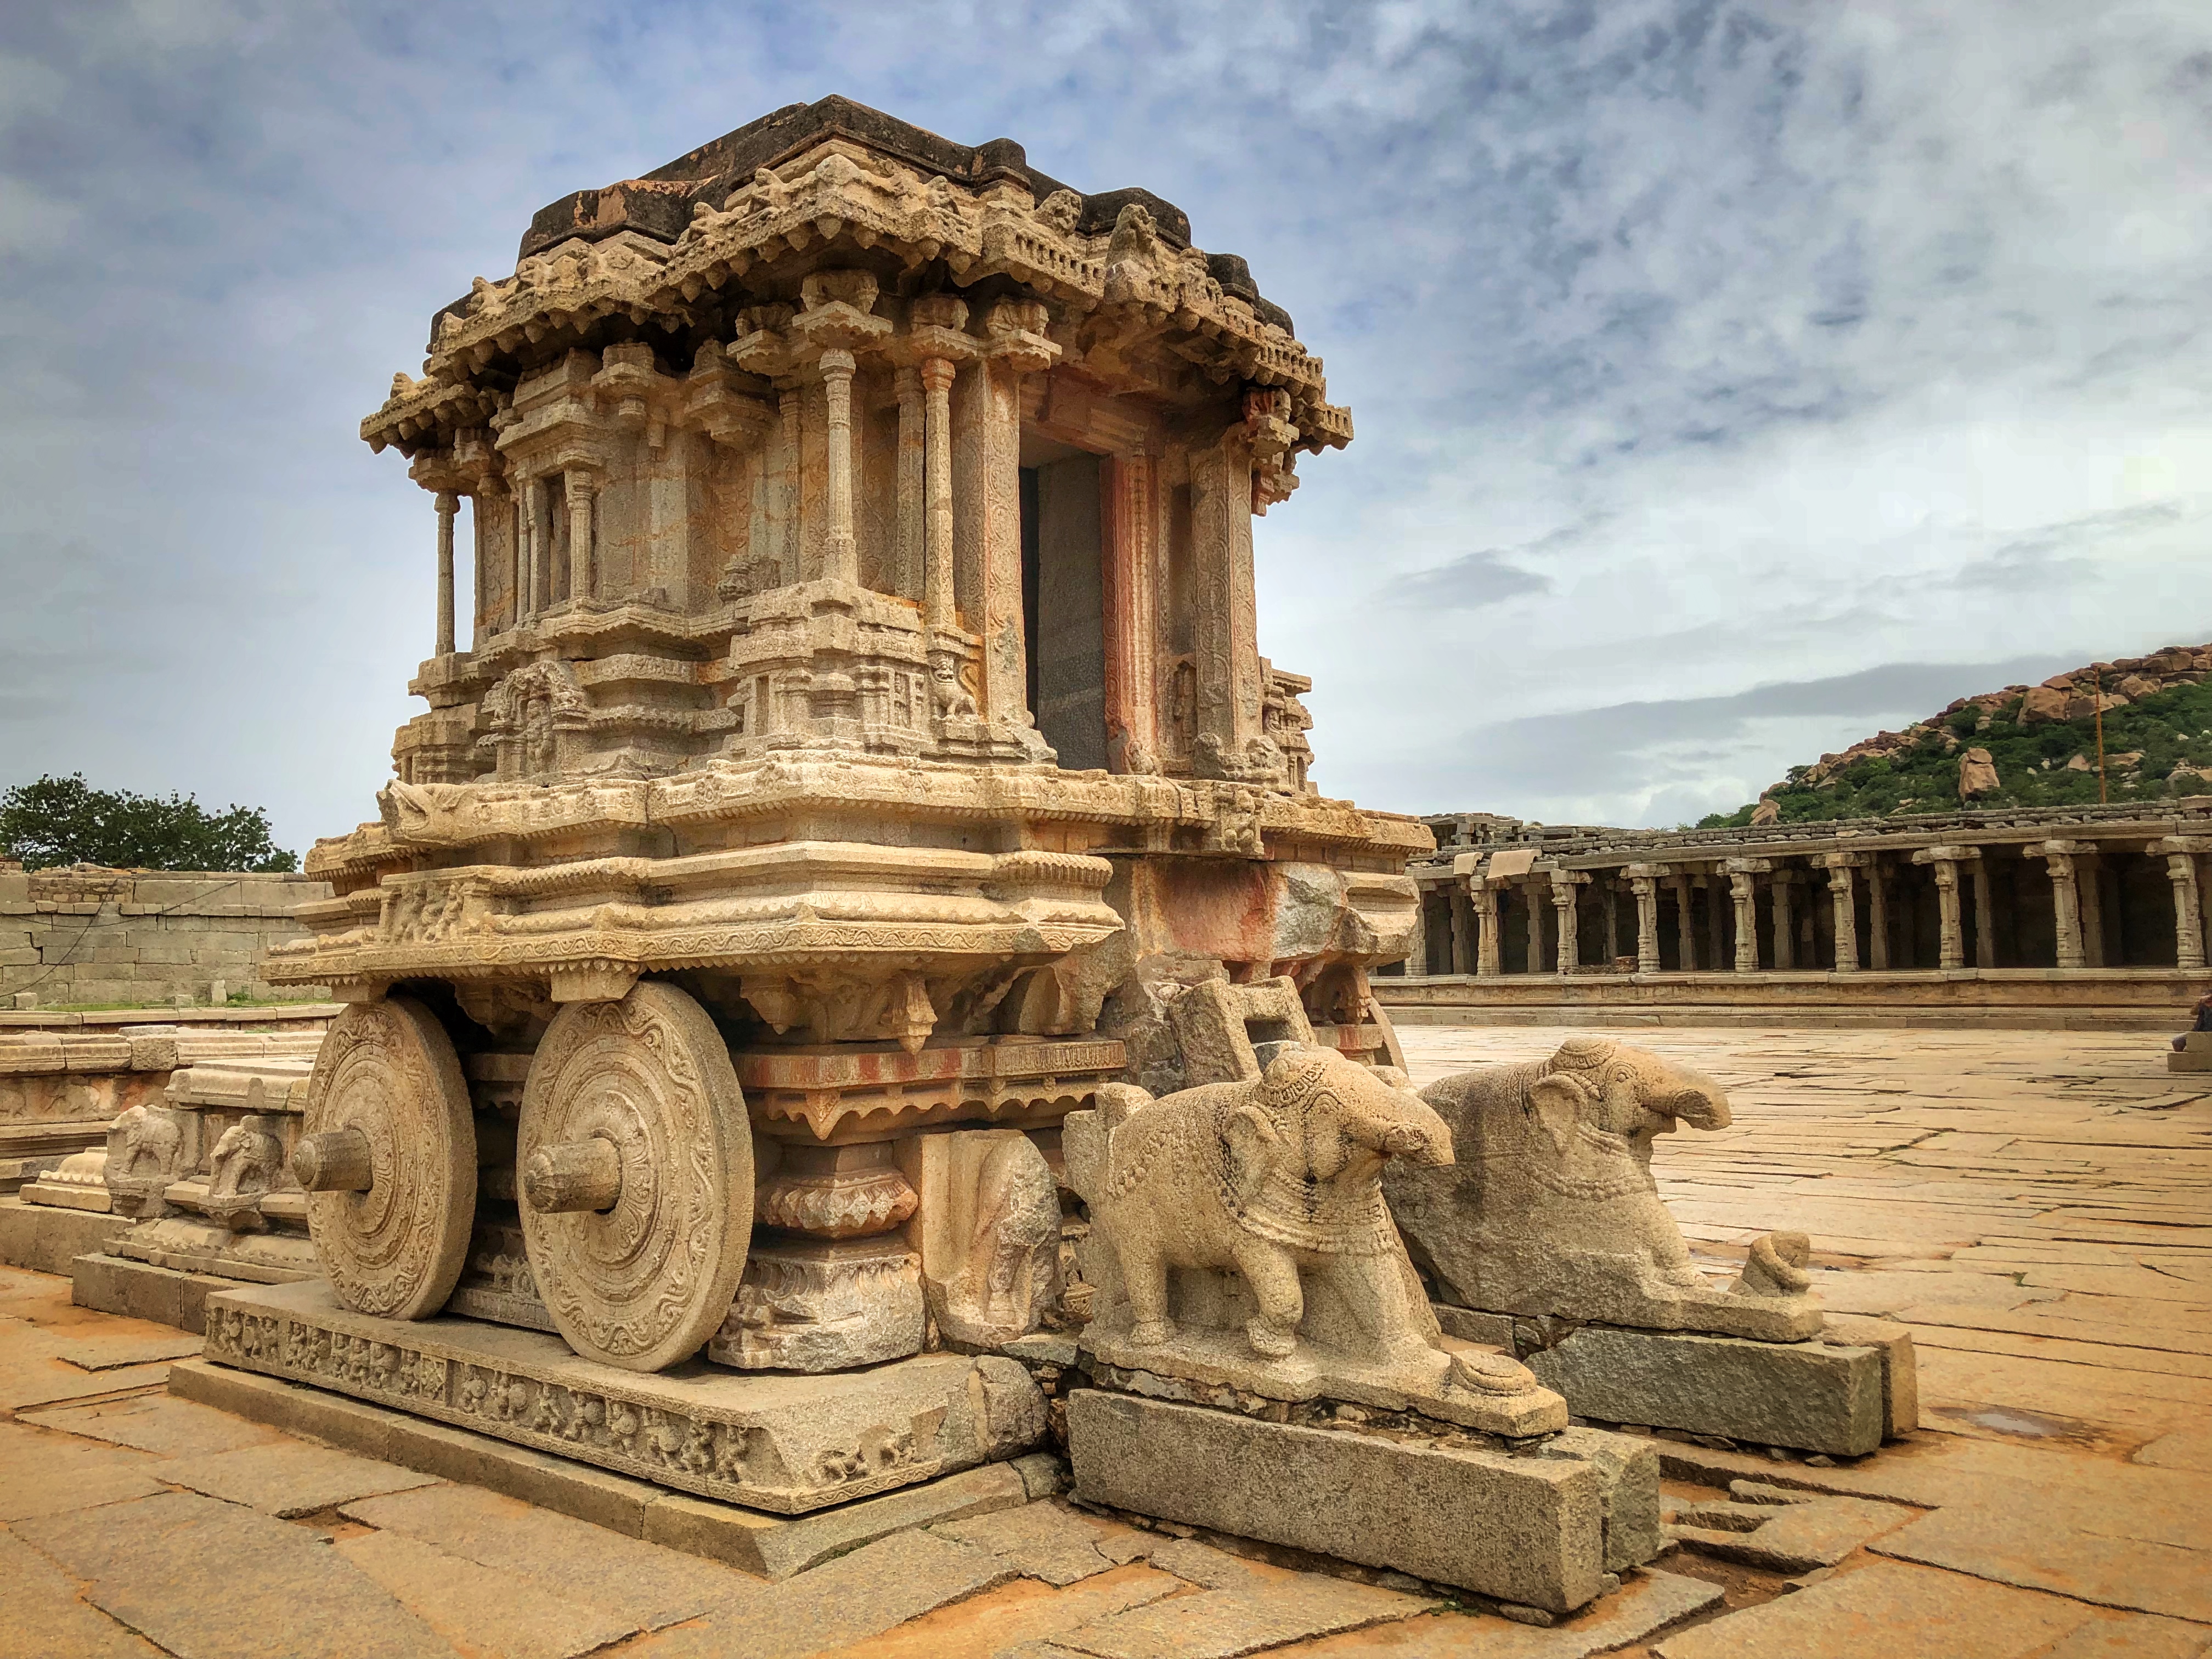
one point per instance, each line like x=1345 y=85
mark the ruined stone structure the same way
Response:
x=848 y=748
x=2061 y=913
x=80 y=934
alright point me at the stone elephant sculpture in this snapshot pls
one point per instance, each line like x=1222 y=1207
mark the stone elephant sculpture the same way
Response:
x=1551 y=1208
x=1269 y=1177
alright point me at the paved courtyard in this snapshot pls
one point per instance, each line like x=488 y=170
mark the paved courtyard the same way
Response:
x=2033 y=1205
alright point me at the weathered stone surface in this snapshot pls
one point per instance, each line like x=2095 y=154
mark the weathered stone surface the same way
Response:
x=825 y=1305
x=41 y=1614
x=1812 y=1395
x=1038 y=1540
x=1222 y=1624
x=1239 y=1240
x=106 y=1351
x=156 y=1423
x=636 y=1583
x=286 y=1478
x=2040 y=1549
x=777 y=1547
x=1900 y=1365
x=874 y=1587
x=989 y=1231
x=200 y=1578
x=1647 y=1603
x=1019 y=1620
x=1550 y=1207
x=785 y=1443
x=773 y=1546
x=43 y=1473
x=480 y=1610
x=46 y=1239
x=142 y=1290
x=1788 y=1533
x=1896 y=1612
x=1529 y=1529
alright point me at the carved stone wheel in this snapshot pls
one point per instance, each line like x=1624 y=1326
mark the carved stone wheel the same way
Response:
x=634 y=1165
x=388 y=1154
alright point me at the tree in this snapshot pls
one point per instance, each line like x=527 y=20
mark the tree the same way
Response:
x=66 y=821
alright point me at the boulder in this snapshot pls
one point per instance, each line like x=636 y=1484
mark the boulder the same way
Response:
x=1765 y=813
x=2043 y=703
x=2080 y=763
x=1977 y=775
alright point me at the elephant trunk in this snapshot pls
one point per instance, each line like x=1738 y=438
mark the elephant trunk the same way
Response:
x=1701 y=1101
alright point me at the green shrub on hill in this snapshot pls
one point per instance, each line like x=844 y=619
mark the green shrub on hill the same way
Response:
x=2145 y=744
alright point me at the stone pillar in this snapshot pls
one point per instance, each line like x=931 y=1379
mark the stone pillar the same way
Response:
x=448 y=504
x=1612 y=920
x=583 y=570
x=1785 y=931
x=841 y=553
x=1131 y=597
x=1536 y=932
x=480 y=498
x=1463 y=930
x=1686 y=923
x=2065 y=899
x=2089 y=900
x=2188 y=902
x=1564 y=884
x=1743 y=876
x=987 y=533
x=936 y=376
x=1489 y=957
x=537 y=587
x=1645 y=886
x=1843 y=897
x=518 y=590
x=784 y=495
x=1417 y=945
x=1878 y=916
x=905 y=577
x=1951 y=938
x=1985 y=935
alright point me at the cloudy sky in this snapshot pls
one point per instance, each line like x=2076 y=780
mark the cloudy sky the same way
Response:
x=1731 y=380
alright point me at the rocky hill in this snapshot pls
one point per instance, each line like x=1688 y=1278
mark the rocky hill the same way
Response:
x=2027 y=745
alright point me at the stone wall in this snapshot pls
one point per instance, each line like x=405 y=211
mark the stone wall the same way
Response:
x=80 y=934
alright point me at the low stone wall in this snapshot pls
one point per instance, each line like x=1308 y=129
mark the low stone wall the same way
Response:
x=64 y=1079
x=2022 y=999
x=80 y=934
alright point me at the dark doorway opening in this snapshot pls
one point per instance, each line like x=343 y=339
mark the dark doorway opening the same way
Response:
x=1063 y=601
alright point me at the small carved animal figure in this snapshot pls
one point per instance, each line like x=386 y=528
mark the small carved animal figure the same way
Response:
x=149 y=1133
x=1271 y=1177
x=1552 y=1208
x=246 y=1162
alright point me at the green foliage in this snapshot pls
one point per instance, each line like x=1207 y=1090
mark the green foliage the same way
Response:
x=2168 y=729
x=66 y=821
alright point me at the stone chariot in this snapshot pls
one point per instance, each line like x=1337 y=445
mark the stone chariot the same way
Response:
x=861 y=751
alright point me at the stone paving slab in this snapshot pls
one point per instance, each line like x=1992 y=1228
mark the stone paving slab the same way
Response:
x=482 y=1612
x=640 y=1583
x=210 y=1580
x=1016 y=1620
x=107 y=1352
x=2037 y=1550
x=1889 y=1611
x=875 y=1587
x=1649 y=1602
x=286 y=1478
x=44 y=1473
x=1223 y=1624
x=156 y=1423
x=1046 y=1542
x=1795 y=1536
x=40 y=1613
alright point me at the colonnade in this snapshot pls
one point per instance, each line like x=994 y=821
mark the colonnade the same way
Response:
x=2082 y=902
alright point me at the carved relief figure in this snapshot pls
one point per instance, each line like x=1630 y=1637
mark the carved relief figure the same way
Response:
x=1276 y=1178
x=144 y=1143
x=248 y=1161
x=1552 y=1209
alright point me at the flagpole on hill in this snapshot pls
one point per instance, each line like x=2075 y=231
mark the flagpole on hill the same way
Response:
x=2099 y=683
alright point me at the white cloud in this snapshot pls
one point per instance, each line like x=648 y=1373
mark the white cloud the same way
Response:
x=1718 y=345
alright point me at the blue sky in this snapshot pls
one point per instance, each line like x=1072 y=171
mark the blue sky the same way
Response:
x=1731 y=380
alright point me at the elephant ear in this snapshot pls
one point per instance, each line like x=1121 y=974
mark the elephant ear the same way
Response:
x=1558 y=1103
x=1252 y=1138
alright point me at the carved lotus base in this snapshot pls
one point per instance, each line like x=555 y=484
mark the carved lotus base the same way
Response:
x=785 y=1443
x=1426 y=1381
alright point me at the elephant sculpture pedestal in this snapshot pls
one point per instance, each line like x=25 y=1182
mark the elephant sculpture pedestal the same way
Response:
x=1268 y=1365
x=1547 y=1235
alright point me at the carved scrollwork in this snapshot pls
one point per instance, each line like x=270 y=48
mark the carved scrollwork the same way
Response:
x=387 y=1069
x=642 y=1282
